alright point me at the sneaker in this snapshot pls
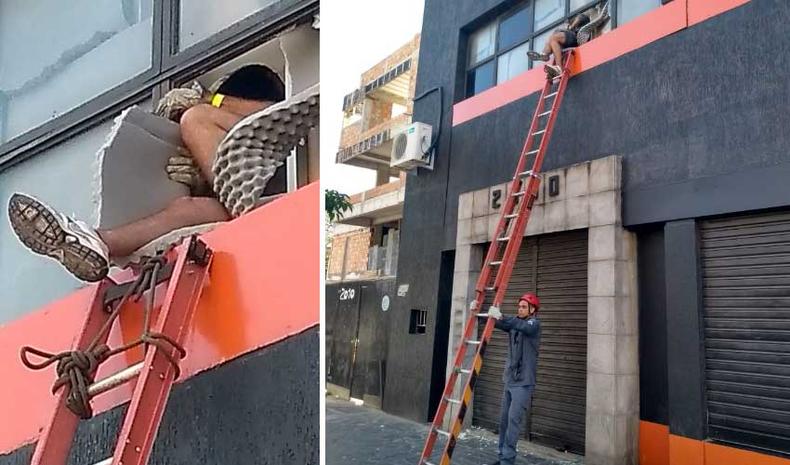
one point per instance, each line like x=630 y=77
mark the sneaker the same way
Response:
x=47 y=232
x=536 y=56
x=553 y=71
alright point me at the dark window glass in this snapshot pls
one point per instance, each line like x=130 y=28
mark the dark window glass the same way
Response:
x=481 y=78
x=514 y=29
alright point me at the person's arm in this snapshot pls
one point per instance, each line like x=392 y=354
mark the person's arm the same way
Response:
x=529 y=327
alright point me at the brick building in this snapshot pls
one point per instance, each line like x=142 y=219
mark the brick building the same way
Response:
x=364 y=244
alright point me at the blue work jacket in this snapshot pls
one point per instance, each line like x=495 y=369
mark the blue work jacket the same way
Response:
x=522 y=354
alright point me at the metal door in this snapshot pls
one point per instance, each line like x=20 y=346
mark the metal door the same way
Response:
x=555 y=266
x=746 y=300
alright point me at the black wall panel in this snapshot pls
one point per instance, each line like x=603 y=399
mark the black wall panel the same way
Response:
x=652 y=326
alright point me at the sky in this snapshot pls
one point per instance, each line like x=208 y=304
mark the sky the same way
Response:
x=360 y=33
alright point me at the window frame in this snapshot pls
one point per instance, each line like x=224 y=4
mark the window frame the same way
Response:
x=169 y=68
x=529 y=4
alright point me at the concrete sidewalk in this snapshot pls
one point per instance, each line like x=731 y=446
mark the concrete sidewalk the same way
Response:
x=365 y=436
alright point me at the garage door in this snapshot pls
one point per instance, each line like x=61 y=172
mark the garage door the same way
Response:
x=555 y=265
x=746 y=298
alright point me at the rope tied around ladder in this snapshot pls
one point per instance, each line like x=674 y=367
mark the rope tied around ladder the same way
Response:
x=76 y=369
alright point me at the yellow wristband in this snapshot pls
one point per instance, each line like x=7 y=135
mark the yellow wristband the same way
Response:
x=216 y=100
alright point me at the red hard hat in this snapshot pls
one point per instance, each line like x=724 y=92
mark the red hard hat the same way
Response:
x=531 y=299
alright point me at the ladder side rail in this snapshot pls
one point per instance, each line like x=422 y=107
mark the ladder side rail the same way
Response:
x=467 y=391
x=155 y=381
x=55 y=442
x=553 y=116
x=531 y=190
x=510 y=201
x=517 y=184
x=504 y=271
x=514 y=244
x=449 y=385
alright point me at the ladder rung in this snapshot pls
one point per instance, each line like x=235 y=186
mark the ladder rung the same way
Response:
x=492 y=288
x=425 y=462
x=533 y=151
x=105 y=462
x=453 y=401
x=115 y=380
x=518 y=194
x=511 y=216
x=539 y=132
x=550 y=95
x=504 y=239
x=528 y=173
x=544 y=114
x=482 y=315
x=464 y=371
x=472 y=342
x=442 y=432
x=496 y=263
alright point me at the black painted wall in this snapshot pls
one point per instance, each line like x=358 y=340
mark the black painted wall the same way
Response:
x=699 y=118
x=259 y=409
x=652 y=326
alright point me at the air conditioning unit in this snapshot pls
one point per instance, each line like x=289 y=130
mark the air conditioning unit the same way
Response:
x=410 y=147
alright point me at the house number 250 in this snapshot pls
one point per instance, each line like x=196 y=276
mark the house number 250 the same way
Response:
x=346 y=294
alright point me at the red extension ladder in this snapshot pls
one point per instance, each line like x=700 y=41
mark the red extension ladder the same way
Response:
x=498 y=266
x=186 y=275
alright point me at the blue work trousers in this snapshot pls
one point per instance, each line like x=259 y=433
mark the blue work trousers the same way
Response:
x=516 y=400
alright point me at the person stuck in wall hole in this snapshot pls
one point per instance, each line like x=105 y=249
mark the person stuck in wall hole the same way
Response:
x=86 y=252
x=561 y=38
x=520 y=373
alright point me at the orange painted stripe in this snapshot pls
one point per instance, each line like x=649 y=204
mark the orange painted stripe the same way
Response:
x=718 y=454
x=700 y=10
x=686 y=451
x=648 y=28
x=263 y=287
x=658 y=447
x=653 y=443
x=498 y=96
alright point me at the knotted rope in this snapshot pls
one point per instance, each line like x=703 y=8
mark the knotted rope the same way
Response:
x=76 y=369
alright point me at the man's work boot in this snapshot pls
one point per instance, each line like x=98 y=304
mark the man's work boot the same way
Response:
x=47 y=232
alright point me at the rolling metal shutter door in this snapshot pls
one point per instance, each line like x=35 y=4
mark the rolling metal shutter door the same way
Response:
x=555 y=265
x=746 y=298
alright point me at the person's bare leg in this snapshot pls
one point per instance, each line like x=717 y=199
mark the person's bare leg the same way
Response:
x=555 y=43
x=203 y=127
x=182 y=212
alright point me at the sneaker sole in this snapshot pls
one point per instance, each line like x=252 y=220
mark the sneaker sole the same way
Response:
x=534 y=56
x=249 y=156
x=41 y=232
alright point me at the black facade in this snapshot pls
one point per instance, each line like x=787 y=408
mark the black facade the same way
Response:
x=702 y=131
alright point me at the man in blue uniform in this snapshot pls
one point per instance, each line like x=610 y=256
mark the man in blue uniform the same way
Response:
x=520 y=371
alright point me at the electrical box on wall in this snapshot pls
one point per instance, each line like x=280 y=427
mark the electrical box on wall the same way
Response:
x=411 y=148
